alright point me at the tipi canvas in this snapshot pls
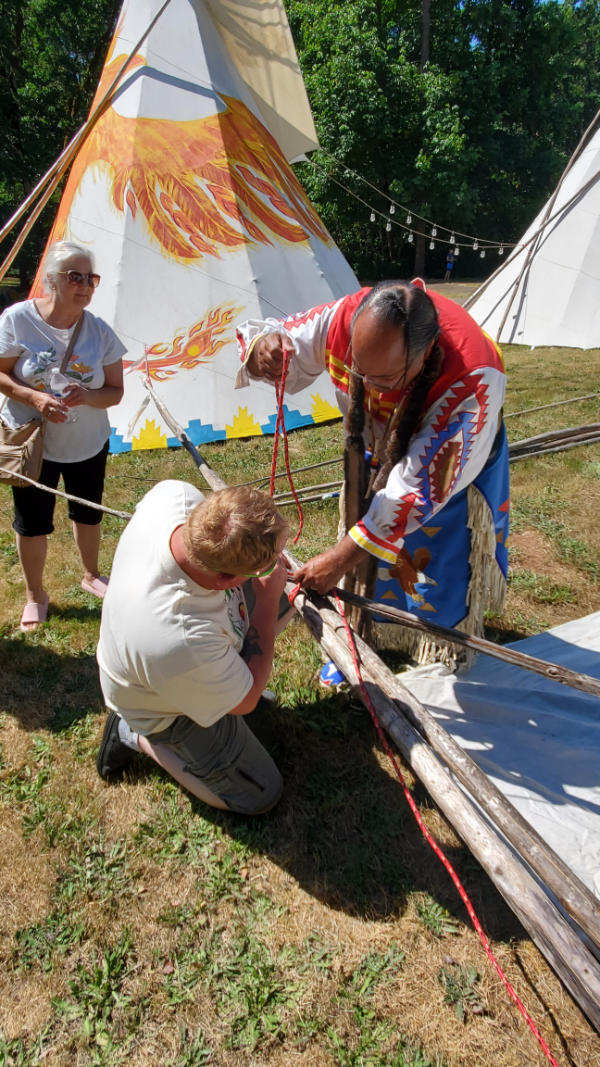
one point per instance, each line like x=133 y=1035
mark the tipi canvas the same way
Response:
x=183 y=192
x=548 y=291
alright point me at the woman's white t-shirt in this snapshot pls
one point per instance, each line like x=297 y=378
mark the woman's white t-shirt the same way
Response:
x=41 y=348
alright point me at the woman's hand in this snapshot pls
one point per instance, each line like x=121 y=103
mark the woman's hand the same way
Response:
x=75 y=394
x=266 y=358
x=49 y=407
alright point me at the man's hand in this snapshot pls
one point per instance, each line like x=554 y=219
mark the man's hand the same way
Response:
x=324 y=571
x=266 y=359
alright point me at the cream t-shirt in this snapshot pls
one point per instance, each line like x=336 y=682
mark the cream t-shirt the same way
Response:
x=168 y=646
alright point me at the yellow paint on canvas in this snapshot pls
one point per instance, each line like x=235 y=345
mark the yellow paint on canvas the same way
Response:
x=150 y=436
x=322 y=410
x=243 y=425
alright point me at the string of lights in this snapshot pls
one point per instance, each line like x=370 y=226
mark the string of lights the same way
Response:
x=415 y=225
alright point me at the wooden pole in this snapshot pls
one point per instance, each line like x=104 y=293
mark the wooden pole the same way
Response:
x=568 y=889
x=554 y=671
x=562 y=947
x=573 y=895
x=572 y=961
x=61 y=165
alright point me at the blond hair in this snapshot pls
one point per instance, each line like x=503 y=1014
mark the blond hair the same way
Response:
x=235 y=531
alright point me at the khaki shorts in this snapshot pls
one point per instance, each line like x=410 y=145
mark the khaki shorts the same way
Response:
x=228 y=759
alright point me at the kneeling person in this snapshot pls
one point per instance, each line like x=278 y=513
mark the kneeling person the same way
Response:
x=181 y=658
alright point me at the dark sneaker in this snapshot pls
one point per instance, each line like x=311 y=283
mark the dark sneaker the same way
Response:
x=113 y=756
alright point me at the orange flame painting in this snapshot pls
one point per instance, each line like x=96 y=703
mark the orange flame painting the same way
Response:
x=199 y=345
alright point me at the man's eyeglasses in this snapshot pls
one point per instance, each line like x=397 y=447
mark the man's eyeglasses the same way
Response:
x=384 y=384
x=75 y=277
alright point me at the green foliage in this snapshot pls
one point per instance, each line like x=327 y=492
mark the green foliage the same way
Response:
x=459 y=985
x=37 y=945
x=51 y=55
x=374 y=970
x=194 y=1051
x=96 y=996
x=96 y=872
x=15 y=1052
x=375 y=1041
x=436 y=918
x=474 y=137
x=540 y=587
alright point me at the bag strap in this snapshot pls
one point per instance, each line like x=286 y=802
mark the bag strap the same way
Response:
x=71 y=344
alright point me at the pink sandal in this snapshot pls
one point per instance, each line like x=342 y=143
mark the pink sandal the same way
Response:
x=33 y=615
x=97 y=586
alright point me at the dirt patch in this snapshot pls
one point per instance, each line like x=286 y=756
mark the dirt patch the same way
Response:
x=531 y=551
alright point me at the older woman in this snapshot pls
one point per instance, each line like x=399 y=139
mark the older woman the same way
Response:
x=34 y=338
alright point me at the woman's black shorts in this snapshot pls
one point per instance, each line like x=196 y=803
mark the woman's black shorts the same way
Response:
x=34 y=509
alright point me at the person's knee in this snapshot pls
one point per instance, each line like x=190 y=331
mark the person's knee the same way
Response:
x=253 y=791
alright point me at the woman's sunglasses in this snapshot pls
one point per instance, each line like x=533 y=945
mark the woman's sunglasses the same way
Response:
x=75 y=277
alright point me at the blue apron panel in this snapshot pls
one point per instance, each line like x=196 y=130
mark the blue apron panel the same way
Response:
x=431 y=575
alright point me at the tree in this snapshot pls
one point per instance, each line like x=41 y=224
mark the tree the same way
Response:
x=51 y=55
x=475 y=137
x=379 y=115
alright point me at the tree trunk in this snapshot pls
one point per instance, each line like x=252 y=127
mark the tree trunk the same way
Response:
x=419 y=268
x=425 y=32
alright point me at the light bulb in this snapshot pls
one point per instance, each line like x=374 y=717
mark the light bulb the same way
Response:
x=388 y=226
x=392 y=209
x=410 y=238
x=475 y=245
x=482 y=254
x=372 y=217
x=457 y=251
x=432 y=245
x=452 y=239
x=408 y=219
x=501 y=250
x=434 y=231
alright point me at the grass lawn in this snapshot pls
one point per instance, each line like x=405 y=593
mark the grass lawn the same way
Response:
x=139 y=927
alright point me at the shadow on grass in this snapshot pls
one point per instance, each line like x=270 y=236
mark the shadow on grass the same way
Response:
x=47 y=688
x=343 y=829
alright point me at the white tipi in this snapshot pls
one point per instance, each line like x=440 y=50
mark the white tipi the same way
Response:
x=184 y=194
x=548 y=291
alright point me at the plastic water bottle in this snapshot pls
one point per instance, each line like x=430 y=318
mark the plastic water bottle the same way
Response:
x=58 y=383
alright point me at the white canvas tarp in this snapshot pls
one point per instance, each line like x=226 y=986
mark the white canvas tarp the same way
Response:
x=538 y=741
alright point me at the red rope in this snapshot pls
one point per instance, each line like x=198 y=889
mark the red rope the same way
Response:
x=430 y=840
x=281 y=429
x=436 y=848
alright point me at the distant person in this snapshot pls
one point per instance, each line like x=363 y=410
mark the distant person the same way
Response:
x=183 y=655
x=422 y=387
x=34 y=337
x=449 y=265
